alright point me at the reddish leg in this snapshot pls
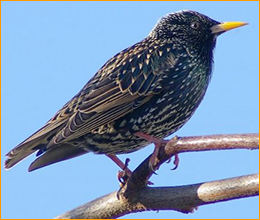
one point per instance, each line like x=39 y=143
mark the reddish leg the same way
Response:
x=158 y=144
x=125 y=173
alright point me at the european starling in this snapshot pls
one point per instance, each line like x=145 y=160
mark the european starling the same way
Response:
x=152 y=87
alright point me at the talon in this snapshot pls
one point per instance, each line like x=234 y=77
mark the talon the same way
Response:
x=158 y=144
x=150 y=183
x=123 y=175
x=127 y=160
x=151 y=167
x=176 y=162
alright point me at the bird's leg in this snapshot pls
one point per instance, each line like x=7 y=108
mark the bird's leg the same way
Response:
x=158 y=144
x=125 y=173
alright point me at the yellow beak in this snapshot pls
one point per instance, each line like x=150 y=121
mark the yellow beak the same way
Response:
x=226 y=26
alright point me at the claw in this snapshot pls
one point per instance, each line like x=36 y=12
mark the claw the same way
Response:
x=176 y=162
x=124 y=175
x=158 y=144
x=168 y=161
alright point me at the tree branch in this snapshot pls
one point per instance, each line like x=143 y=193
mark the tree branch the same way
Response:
x=180 y=198
x=135 y=196
x=178 y=145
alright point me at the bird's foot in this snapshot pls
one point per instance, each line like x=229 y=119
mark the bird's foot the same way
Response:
x=158 y=142
x=123 y=175
x=176 y=162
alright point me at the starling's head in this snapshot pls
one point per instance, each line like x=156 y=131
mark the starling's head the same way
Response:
x=190 y=29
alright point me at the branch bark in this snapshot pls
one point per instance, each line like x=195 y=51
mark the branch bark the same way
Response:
x=135 y=196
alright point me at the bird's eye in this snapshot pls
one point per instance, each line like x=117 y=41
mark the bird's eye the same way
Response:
x=195 y=25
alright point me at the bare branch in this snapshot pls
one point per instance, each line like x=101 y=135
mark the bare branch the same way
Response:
x=135 y=196
x=213 y=142
x=180 y=198
x=178 y=145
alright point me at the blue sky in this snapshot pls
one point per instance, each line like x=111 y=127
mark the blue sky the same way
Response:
x=51 y=49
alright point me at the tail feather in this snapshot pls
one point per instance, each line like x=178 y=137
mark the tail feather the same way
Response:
x=20 y=152
x=37 y=141
x=57 y=154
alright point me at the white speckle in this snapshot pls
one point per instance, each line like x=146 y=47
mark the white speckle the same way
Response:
x=139 y=120
x=133 y=69
x=177 y=69
x=122 y=124
x=160 y=100
x=119 y=136
x=152 y=110
x=180 y=64
x=134 y=127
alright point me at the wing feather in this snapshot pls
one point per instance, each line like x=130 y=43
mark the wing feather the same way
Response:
x=124 y=83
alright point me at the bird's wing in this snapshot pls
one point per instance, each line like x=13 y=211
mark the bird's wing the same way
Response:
x=124 y=83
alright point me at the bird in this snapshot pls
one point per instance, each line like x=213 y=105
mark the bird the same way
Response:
x=151 y=88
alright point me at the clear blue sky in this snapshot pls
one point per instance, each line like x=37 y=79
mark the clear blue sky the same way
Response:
x=51 y=49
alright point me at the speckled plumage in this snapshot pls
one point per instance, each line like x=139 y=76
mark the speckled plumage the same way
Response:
x=152 y=87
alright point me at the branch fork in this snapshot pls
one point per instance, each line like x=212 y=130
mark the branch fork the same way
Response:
x=136 y=196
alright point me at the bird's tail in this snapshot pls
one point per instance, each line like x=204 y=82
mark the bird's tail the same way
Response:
x=52 y=155
x=24 y=149
x=56 y=154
